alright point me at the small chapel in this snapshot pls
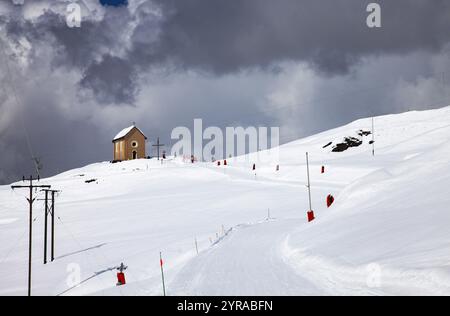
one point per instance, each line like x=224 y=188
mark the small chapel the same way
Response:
x=129 y=144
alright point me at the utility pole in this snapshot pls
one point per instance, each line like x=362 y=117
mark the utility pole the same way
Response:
x=53 y=226
x=51 y=210
x=30 y=202
x=158 y=145
x=46 y=210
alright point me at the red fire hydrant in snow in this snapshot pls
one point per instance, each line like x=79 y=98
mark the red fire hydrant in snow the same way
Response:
x=225 y=162
x=218 y=162
x=323 y=169
x=121 y=275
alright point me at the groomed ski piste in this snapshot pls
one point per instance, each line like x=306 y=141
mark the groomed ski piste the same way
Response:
x=387 y=233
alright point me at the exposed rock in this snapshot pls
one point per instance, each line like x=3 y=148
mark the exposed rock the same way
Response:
x=364 y=133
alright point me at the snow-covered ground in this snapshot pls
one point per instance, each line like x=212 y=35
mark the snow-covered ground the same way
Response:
x=387 y=232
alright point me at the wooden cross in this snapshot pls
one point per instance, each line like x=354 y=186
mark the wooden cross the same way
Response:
x=158 y=145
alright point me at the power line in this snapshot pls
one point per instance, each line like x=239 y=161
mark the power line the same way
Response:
x=16 y=243
x=19 y=106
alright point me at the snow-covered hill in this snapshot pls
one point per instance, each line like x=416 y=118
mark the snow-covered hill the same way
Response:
x=387 y=232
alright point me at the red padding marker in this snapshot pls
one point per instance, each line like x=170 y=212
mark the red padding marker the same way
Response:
x=121 y=275
x=225 y=162
x=330 y=200
x=120 y=278
x=310 y=216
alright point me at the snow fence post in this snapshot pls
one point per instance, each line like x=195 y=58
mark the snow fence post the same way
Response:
x=310 y=213
x=162 y=273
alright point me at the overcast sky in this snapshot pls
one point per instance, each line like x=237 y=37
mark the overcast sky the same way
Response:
x=303 y=65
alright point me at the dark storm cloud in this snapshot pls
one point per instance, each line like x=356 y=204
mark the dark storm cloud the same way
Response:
x=56 y=140
x=87 y=49
x=226 y=36
x=111 y=80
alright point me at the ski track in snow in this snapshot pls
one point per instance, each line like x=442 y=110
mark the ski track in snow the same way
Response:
x=213 y=272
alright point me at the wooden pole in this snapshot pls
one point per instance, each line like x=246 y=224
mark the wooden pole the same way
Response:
x=162 y=273
x=45 y=226
x=30 y=237
x=309 y=183
x=53 y=226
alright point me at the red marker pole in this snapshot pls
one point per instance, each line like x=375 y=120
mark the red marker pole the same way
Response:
x=310 y=213
x=162 y=273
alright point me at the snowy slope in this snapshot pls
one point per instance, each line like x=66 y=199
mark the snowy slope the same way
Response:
x=387 y=232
